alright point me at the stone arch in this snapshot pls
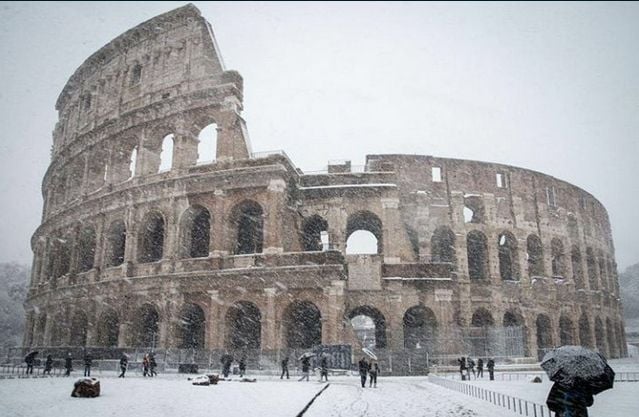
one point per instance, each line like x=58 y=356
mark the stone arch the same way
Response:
x=151 y=235
x=166 y=153
x=368 y=222
x=108 y=329
x=512 y=321
x=474 y=210
x=481 y=332
x=566 y=331
x=600 y=337
x=378 y=320
x=544 y=335
x=190 y=326
x=508 y=259
x=577 y=270
x=442 y=245
x=477 y=255
x=247 y=219
x=557 y=257
x=585 y=334
x=302 y=325
x=592 y=269
x=146 y=326
x=124 y=159
x=613 y=351
x=85 y=248
x=207 y=142
x=482 y=318
x=420 y=328
x=312 y=229
x=243 y=326
x=195 y=226
x=116 y=243
x=535 y=252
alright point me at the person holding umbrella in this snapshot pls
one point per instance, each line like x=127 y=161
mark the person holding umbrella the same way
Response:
x=30 y=360
x=306 y=367
x=578 y=374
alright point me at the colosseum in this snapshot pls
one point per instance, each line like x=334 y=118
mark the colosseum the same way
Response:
x=162 y=229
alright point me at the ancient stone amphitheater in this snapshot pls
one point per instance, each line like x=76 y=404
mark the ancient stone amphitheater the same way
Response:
x=145 y=243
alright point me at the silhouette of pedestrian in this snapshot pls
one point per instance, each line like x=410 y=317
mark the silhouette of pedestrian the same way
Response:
x=284 y=368
x=374 y=370
x=364 y=367
x=491 y=369
x=306 y=368
x=569 y=401
x=88 y=361
x=68 y=364
x=48 y=365
x=124 y=364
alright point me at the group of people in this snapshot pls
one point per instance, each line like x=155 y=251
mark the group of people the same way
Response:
x=467 y=365
x=227 y=360
x=30 y=360
x=371 y=369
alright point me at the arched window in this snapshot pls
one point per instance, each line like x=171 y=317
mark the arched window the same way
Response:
x=146 y=328
x=557 y=251
x=592 y=269
x=152 y=238
x=315 y=229
x=364 y=233
x=585 y=335
x=481 y=333
x=166 y=154
x=302 y=321
x=577 y=270
x=243 y=326
x=443 y=245
x=535 y=253
x=133 y=160
x=515 y=334
x=477 y=255
x=474 y=211
x=108 y=329
x=86 y=249
x=116 y=242
x=195 y=229
x=544 y=335
x=369 y=325
x=248 y=221
x=566 y=331
x=191 y=327
x=136 y=74
x=79 y=329
x=207 y=140
x=508 y=260
x=420 y=328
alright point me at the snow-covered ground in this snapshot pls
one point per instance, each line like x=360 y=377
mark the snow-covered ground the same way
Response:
x=171 y=395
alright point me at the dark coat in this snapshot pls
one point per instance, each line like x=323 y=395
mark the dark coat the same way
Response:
x=462 y=364
x=68 y=362
x=364 y=367
x=242 y=365
x=88 y=360
x=284 y=363
x=569 y=401
x=374 y=370
x=490 y=365
x=480 y=364
x=124 y=362
x=324 y=365
x=49 y=363
x=306 y=364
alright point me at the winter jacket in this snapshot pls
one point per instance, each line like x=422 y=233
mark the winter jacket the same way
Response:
x=363 y=367
x=569 y=401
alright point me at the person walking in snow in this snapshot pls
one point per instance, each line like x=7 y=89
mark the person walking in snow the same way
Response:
x=242 y=366
x=48 y=365
x=374 y=370
x=462 y=367
x=470 y=367
x=226 y=360
x=324 y=368
x=491 y=369
x=124 y=363
x=306 y=368
x=68 y=364
x=480 y=368
x=152 y=365
x=364 y=367
x=88 y=361
x=284 y=368
x=145 y=365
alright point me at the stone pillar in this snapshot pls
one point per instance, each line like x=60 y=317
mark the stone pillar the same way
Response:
x=391 y=226
x=396 y=321
x=232 y=138
x=171 y=238
x=124 y=334
x=332 y=326
x=214 y=329
x=269 y=323
x=444 y=298
x=184 y=150
x=273 y=217
x=220 y=243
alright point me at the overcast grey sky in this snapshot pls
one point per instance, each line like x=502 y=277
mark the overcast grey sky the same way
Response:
x=548 y=86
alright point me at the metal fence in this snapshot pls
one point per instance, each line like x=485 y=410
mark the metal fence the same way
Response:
x=514 y=404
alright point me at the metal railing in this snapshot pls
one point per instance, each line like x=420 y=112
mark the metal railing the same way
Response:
x=514 y=404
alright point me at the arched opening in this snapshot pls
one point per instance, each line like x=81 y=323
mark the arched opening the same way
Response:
x=166 y=154
x=303 y=325
x=557 y=254
x=191 y=327
x=477 y=255
x=86 y=249
x=152 y=238
x=249 y=224
x=133 y=160
x=577 y=270
x=481 y=333
x=534 y=250
x=592 y=269
x=78 y=329
x=206 y=147
x=315 y=234
x=136 y=75
x=508 y=262
x=369 y=325
x=108 y=329
x=544 y=335
x=443 y=245
x=585 y=335
x=515 y=335
x=243 y=326
x=474 y=211
x=116 y=243
x=613 y=351
x=146 y=327
x=600 y=337
x=420 y=329
x=195 y=227
x=364 y=233
x=566 y=331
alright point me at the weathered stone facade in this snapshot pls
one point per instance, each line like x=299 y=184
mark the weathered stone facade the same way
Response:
x=228 y=254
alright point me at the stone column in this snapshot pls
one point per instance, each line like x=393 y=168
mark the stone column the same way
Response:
x=184 y=150
x=396 y=321
x=332 y=326
x=273 y=217
x=391 y=225
x=269 y=324
x=444 y=298
x=214 y=332
x=220 y=245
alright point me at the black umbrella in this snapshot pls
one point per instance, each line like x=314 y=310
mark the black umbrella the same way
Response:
x=577 y=366
x=32 y=354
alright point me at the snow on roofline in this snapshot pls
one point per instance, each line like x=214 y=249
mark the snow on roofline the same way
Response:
x=319 y=187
